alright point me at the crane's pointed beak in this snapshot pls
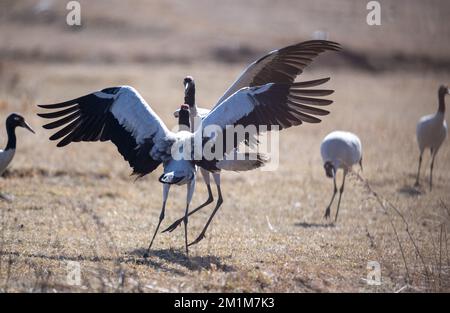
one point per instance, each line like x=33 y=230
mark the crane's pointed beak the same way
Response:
x=25 y=125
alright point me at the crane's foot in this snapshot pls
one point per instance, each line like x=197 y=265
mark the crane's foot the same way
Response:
x=174 y=225
x=199 y=238
x=327 y=213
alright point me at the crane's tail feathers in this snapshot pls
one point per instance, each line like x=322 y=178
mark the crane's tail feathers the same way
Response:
x=243 y=161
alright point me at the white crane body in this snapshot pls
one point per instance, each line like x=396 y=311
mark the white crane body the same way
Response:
x=339 y=149
x=431 y=131
x=342 y=149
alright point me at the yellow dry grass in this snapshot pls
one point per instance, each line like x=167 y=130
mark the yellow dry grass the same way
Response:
x=79 y=203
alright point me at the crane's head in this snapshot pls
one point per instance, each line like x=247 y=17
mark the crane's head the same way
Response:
x=329 y=169
x=189 y=91
x=443 y=90
x=14 y=120
x=188 y=79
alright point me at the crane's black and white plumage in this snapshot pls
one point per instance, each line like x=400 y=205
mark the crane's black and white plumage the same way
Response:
x=178 y=171
x=235 y=161
x=196 y=116
x=13 y=121
x=265 y=94
x=431 y=132
x=339 y=149
x=121 y=115
x=243 y=162
x=280 y=66
x=196 y=113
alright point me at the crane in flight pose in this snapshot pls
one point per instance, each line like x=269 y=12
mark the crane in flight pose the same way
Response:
x=266 y=94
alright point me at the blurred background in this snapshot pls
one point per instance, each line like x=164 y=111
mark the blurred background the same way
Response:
x=412 y=33
x=150 y=38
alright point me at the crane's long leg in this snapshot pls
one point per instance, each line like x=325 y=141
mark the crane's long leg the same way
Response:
x=327 y=211
x=418 y=170
x=431 y=169
x=190 y=192
x=218 y=204
x=341 y=190
x=205 y=175
x=166 y=188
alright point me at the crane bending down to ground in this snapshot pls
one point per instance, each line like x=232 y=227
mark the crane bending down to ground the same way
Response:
x=339 y=149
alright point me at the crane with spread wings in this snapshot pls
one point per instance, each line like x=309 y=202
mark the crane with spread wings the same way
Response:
x=265 y=94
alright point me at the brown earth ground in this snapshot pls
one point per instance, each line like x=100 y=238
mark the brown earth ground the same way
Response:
x=80 y=204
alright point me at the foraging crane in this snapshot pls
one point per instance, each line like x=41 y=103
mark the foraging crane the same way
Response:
x=339 y=149
x=264 y=95
x=12 y=121
x=431 y=132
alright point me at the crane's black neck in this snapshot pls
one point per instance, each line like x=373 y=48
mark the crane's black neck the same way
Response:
x=441 y=103
x=11 y=131
x=189 y=96
x=183 y=120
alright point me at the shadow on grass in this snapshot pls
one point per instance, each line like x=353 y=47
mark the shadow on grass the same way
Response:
x=96 y=259
x=158 y=259
x=178 y=257
x=410 y=191
x=314 y=225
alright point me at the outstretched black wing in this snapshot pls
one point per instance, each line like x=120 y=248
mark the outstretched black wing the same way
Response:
x=118 y=114
x=280 y=66
x=280 y=105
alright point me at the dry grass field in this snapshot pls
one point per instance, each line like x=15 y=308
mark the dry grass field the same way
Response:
x=80 y=204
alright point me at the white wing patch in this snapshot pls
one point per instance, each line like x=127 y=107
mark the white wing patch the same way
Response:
x=231 y=110
x=133 y=112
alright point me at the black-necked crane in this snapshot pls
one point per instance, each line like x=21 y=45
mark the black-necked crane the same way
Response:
x=121 y=115
x=197 y=114
x=431 y=132
x=13 y=121
x=339 y=150
x=264 y=95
